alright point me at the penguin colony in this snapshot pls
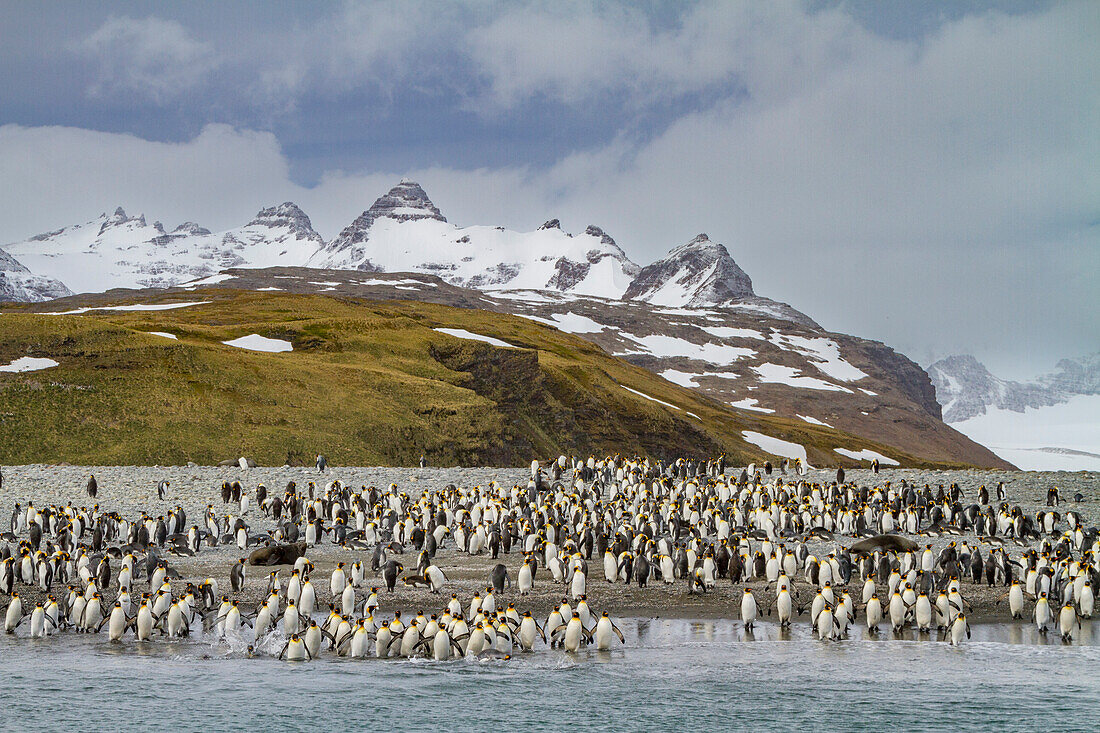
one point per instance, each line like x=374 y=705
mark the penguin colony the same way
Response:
x=648 y=523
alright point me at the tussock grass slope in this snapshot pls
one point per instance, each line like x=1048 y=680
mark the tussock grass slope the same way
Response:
x=368 y=383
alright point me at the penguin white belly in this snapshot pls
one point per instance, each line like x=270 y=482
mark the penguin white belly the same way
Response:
x=347 y=600
x=360 y=644
x=38 y=623
x=573 y=636
x=527 y=634
x=441 y=646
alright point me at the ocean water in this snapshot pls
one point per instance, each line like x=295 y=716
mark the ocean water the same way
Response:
x=670 y=675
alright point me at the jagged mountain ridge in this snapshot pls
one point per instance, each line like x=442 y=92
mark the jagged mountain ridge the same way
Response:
x=967 y=389
x=402 y=231
x=120 y=251
x=1045 y=424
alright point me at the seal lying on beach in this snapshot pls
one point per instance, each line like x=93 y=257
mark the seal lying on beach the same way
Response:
x=278 y=554
x=884 y=542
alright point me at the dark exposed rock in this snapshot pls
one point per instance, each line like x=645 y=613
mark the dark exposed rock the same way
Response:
x=290 y=216
x=190 y=228
x=568 y=273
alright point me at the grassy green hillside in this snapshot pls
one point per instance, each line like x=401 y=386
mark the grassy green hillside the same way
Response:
x=367 y=383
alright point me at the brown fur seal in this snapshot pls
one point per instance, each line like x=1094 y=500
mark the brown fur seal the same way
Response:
x=278 y=554
x=884 y=542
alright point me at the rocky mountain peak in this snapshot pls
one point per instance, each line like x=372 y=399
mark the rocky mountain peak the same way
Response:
x=287 y=215
x=119 y=218
x=190 y=228
x=700 y=273
x=967 y=389
x=551 y=224
x=406 y=201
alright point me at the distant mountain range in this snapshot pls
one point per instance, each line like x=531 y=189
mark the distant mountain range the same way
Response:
x=692 y=317
x=403 y=231
x=1049 y=423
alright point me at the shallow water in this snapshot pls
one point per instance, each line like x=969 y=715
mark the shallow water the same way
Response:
x=670 y=675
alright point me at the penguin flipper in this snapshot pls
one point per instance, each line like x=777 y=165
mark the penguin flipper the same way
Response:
x=618 y=632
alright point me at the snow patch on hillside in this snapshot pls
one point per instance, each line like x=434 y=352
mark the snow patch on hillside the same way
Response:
x=256 y=342
x=652 y=399
x=775 y=446
x=135 y=307
x=867 y=455
x=28 y=364
x=464 y=334
x=779 y=374
x=750 y=403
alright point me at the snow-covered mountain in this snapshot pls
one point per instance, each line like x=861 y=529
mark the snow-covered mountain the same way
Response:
x=403 y=231
x=698 y=274
x=1046 y=424
x=966 y=389
x=20 y=284
x=702 y=274
x=119 y=251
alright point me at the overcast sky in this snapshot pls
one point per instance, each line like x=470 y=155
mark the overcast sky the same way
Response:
x=921 y=175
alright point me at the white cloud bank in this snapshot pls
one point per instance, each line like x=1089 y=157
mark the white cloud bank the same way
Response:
x=891 y=188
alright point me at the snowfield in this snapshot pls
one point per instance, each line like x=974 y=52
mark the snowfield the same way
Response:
x=29 y=364
x=867 y=455
x=464 y=334
x=778 y=374
x=1063 y=437
x=137 y=307
x=256 y=342
x=775 y=446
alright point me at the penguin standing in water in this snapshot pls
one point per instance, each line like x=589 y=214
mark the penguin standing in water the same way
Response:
x=749 y=609
x=1066 y=620
x=605 y=627
x=295 y=650
x=572 y=634
x=959 y=629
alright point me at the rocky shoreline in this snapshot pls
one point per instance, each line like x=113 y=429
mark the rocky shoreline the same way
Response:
x=131 y=491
